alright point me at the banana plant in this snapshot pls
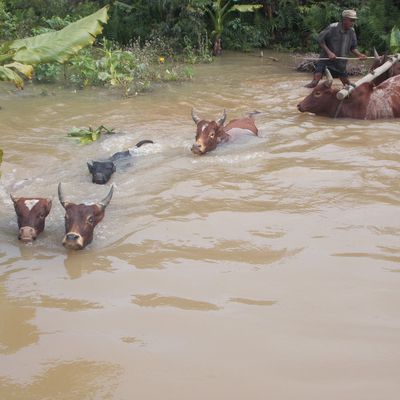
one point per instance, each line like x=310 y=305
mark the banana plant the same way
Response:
x=218 y=12
x=18 y=57
x=394 y=40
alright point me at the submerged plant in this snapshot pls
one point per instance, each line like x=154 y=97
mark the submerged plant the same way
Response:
x=89 y=135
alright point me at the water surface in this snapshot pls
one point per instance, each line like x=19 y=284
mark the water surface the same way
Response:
x=265 y=269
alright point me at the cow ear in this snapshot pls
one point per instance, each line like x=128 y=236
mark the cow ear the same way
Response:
x=90 y=166
x=49 y=204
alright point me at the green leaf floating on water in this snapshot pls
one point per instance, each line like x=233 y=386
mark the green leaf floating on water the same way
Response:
x=89 y=135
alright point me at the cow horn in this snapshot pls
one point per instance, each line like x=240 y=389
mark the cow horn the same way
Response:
x=61 y=196
x=195 y=118
x=376 y=54
x=104 y=203
x=14 y=199
x=222 y=119
x=329 y=78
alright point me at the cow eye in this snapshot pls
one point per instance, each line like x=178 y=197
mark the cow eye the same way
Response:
x=41 y=216
x=212 y=135
x=317 y=93
x=90 y=220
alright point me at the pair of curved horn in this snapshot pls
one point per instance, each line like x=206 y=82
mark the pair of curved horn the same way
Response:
x=103 y=203
x=220 y=121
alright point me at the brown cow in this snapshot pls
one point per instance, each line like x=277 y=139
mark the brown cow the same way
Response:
x=81 y=219
x=31 y=214
x=209 y=134
x=380 y=60
x=365 y=102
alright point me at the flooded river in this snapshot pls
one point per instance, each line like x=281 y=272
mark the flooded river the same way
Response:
x=266 y=269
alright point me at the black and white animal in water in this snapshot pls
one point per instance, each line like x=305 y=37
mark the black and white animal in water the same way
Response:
x=102 y=170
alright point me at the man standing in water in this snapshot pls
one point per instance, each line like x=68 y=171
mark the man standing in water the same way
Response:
x=337 y=40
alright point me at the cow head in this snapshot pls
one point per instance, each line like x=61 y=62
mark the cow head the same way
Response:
x=322 y=100
x=81 y=219
x=101 y=171
x=31 y=214
x=380 y=60
x=208 y=134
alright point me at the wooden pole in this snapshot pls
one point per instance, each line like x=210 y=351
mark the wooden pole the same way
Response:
x=345 y=92
x=337 y=58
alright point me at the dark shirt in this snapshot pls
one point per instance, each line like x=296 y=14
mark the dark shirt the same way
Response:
x=339 y=41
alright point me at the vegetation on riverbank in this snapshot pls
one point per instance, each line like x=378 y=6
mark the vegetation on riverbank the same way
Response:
x=148 y=41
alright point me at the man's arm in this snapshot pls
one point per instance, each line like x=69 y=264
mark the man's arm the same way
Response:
x=322 y=43
x=361 y=56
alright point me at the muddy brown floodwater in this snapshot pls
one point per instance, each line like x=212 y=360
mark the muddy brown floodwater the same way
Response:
x=267 y=269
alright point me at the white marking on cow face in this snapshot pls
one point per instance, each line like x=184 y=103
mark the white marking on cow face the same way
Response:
x=31 y=203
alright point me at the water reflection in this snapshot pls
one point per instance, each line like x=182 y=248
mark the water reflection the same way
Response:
x=16 y=329
x=81 y=262
x=155 y=300
x=66 y=380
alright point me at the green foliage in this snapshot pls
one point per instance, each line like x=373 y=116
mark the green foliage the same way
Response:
x=132 y=69
x=377 y=19
x=240 y=35
x=89 y=135
x=57 y=46
x=395 y=40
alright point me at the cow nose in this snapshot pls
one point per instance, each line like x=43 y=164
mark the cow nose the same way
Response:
x=100 y=179
x=196 y=149
x=27 y=234
x=72 y=237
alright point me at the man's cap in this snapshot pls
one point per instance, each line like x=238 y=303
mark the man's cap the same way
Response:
x=349 y=14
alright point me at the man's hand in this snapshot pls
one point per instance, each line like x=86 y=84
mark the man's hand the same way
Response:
x=331 y=55
x=362 y=56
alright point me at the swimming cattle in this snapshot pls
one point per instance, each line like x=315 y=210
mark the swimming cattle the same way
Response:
x=392 y=71
x=81 y=219
x=365 y=102
x=209 y=134
x=31 y=215
x=102 y=170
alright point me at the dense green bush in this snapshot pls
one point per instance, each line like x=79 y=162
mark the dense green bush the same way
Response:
x=185 y=27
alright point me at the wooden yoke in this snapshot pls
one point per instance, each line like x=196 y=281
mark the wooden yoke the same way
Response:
x=345 y=92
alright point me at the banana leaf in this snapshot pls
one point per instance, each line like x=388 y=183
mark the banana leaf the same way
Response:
x=49 y=47
x=395 y=40
x=246 y=7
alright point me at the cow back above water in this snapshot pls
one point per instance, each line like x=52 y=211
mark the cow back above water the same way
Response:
x=209 y=134
x=31 y=215
x=365 y=101
x=102 y=170
x=81 y=219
